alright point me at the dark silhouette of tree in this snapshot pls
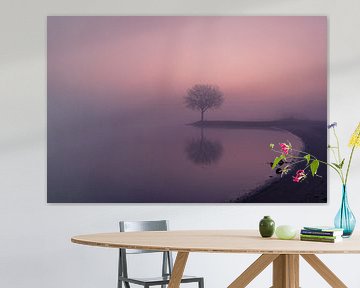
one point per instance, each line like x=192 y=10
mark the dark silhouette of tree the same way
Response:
x=203 y=151
x=203 y=97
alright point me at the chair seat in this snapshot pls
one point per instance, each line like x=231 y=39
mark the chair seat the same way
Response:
x=158 y=280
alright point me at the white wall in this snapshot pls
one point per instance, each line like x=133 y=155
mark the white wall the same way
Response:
x=35 y=248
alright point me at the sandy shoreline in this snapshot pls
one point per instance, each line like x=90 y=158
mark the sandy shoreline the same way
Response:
x=284 y=190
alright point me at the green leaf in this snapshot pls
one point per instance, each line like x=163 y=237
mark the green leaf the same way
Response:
x=314 y=166
x=339 y=166
x=336 y=165
x=271 y=146
x=277 y=160
x=342 y=163
x=307 y=157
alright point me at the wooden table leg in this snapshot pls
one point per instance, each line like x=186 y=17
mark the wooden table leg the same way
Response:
x=178 y=269
x=324 y=271
x=253 y=270
x=279 y=270
x=293 y=262
x=286 y=271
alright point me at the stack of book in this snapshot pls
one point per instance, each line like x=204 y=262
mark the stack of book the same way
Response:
x=321 y=234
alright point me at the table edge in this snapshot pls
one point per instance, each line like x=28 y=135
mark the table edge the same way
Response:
x=205 y=250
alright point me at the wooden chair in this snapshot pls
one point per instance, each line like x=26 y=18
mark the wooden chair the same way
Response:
x=167 y=262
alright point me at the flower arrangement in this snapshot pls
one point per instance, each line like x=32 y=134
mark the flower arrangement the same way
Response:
x=290 y=157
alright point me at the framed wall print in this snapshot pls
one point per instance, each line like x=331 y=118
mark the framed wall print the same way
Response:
x=182 y=109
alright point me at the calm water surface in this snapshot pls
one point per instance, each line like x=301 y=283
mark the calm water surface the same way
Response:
x=181 y=164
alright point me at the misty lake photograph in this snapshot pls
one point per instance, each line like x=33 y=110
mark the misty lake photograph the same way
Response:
x=183 y=109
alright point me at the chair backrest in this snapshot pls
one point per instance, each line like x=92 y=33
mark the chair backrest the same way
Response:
x=133 y=226
x=137 y=226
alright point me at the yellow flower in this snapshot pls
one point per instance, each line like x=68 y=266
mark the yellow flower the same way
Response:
x=355 y=138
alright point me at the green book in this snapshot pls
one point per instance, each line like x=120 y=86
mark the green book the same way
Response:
x=338 y=239
x=319 y=236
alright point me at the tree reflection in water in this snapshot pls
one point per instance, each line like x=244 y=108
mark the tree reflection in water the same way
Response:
x=202 y=151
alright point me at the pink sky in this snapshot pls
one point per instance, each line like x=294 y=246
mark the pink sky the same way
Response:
x=267 y=67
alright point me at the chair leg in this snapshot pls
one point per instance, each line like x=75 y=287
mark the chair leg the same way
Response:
x=126 y=284
x=201 y=283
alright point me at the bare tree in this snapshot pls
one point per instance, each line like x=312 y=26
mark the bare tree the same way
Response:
x=203 y=97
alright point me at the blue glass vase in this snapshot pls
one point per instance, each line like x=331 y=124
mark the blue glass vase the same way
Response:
x=345 y=219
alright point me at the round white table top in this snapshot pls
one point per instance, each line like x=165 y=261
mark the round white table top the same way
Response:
x=219 y=241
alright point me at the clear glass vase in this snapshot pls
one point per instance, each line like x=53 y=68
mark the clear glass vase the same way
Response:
x=345 y=219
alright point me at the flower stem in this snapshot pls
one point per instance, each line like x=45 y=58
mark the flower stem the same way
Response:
x=340 y=159
x=297 y=162
x=333 y=152
x=336 y=169
x=348 y=167
x=338 y=145
x=325 y=163
x=350 y=159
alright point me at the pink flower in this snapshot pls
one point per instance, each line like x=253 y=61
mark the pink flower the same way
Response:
x=285 y=148
x=300 y=176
